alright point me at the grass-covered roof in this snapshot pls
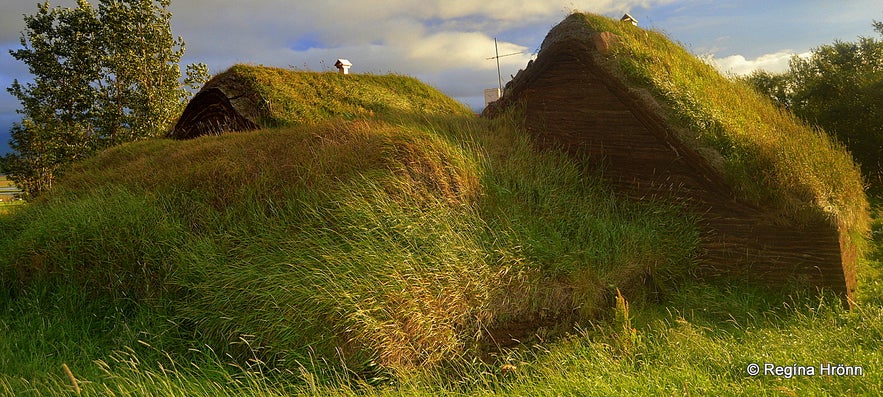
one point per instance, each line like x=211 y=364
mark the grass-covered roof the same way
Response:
x=777 y=199
x=769 y=155
x=249 y=97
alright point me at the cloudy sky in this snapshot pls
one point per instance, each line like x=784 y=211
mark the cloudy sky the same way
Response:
x=446 y=43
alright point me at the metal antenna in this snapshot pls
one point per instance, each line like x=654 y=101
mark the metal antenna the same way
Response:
x=497 y=57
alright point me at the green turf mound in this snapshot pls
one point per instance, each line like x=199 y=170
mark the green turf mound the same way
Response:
x=250 y=97
x=779 y=203
x=374 y=244
x=408 y=247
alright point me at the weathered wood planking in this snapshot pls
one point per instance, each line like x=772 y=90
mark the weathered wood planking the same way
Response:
x=573 y=103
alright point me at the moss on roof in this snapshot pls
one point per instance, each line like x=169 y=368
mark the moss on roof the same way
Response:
x=275 y=97
x=769 y=156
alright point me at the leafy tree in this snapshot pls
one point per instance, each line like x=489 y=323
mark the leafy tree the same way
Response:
x=102 y=77
x=840 y=88
x=776 y=86
x=57 y=105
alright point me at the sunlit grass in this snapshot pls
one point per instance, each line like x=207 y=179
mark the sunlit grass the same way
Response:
x=7 y=207
x=7 y=201
x=373 y=253
x=373 y=246
x=701 y=344
x=292 y=97
x=770 y=156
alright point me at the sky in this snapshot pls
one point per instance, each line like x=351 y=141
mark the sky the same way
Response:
x=447 y=43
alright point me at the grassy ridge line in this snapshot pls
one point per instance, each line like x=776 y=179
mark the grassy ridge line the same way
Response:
x=770 y=155
x=288 y=97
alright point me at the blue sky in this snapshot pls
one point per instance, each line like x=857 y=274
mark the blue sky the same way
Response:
x=446 y=43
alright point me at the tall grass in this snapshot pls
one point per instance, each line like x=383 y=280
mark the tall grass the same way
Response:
x=702 y=344
x=396 y=255
x=286 y=97
x=770 y=156
x=112 y=242
x=372 y=247
x=8 y=207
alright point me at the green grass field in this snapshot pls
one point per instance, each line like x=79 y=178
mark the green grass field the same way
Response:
x=7 y=207
x=7 y=201
x=698 y=342
x=222 y=288
x=397 y=253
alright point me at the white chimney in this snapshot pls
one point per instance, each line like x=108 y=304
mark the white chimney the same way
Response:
x=629 y=19
x=343 y=65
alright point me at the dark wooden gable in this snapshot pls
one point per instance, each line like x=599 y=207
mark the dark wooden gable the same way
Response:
x=572 y=103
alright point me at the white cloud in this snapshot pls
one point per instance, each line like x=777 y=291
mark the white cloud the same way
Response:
x=500 y=10
x=776 y=62
x=443 y=42
x=448 y=50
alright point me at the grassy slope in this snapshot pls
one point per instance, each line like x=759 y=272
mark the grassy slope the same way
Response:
x=296 y=97
x=698 y=342
x=396 y=239
x=770 y=156
x=376 y=245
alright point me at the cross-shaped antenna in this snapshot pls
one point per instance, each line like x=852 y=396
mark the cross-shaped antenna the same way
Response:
x=497 y=57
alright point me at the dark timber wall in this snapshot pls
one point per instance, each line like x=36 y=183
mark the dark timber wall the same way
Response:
x=573 y=103
x=225 y=103
x=210 y=112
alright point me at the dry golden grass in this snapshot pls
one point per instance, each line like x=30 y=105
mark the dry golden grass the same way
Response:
x=771 y=157
x=275 y=97
x=5 y=182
